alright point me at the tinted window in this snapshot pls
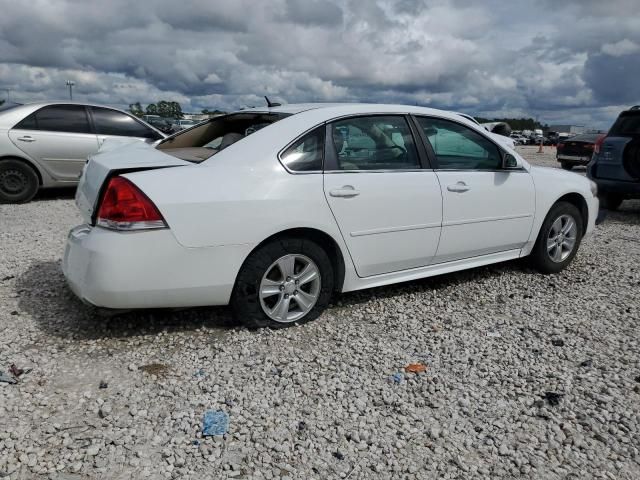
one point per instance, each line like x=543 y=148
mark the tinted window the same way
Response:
x=58 y=118
x=459 y=147
x=306 y=154
x=628 y=123
x=28 y=123
x=111 y=122
x=374 y=143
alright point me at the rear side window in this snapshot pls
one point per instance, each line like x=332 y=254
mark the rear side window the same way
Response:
x=306 y=154
x=58 y=118
x=374 y=143
x=628 y=123
x=112 y=122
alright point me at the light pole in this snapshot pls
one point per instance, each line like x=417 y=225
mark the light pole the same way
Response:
x=8 y=90
x=70 y=84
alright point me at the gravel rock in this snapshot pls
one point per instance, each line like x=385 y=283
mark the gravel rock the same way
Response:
x=328 y=399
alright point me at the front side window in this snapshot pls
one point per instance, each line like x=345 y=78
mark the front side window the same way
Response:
x=306 y=154
x=112 y=122
x=381 y=142
x=458 y=147
x=58 y=118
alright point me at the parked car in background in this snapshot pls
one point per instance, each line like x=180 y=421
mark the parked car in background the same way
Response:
x=615 y=165
x=273 y=210
x=519 y=139
x=576 y=150
x=182 y=124
x=161 y=124
x=504 y=139
x=47 y=144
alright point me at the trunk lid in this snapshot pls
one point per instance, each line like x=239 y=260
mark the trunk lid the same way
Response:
x=112 y=159
x=582 y=149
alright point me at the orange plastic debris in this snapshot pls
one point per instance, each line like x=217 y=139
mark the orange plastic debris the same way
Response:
x=415 y=368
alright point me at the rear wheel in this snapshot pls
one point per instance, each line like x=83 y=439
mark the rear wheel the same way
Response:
x=610 y=201
x=285 y=282
x=566 y=166
x=18 y=182
x=559 y=238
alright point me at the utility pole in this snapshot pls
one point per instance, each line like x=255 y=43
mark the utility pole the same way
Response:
x=8 y=90
x=70 y=84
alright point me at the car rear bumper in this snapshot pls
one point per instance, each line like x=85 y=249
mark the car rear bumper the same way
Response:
x=631 y=189
x=127 y=270
x=574 y=159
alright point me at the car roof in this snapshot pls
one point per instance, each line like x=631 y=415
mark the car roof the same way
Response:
x=338 y=109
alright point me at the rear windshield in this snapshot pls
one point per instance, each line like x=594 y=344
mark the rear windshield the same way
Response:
x=205 y=140
x=8 y=106
x=586 y=137
x=628 y=123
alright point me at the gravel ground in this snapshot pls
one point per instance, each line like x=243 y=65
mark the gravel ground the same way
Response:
x=527 y=375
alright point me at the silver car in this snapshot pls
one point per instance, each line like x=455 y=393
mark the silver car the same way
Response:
x=46 y=145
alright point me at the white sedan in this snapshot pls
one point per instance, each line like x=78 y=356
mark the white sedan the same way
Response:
x=274 y=210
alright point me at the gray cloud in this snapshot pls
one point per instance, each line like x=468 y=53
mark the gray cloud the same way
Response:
x=573 y=61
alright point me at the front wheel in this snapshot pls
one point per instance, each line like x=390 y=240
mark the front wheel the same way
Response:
x=559 y=238
x=285 y=282
x=18 y=182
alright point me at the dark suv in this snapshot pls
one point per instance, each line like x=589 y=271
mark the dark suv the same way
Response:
x=615 y=165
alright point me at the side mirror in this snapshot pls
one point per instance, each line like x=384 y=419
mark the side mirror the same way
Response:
x=509 y=162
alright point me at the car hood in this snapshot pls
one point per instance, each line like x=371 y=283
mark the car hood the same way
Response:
x=113 y=158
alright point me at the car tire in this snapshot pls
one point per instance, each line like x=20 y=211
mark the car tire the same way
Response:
x=550 y=253
x=263 y=287
x=18 y=181
x=566 y=166
x=610 y=201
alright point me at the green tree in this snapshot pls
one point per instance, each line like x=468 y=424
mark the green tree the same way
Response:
x=164 y=108
x=136 y=109
x=176 y=110
x=152 y=109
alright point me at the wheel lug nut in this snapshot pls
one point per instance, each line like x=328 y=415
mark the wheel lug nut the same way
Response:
x=281 y=288
x=295 y=292
x=286 y=295
x=288 y=279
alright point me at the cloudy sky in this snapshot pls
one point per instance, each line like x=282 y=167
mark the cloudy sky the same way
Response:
x=561 y=61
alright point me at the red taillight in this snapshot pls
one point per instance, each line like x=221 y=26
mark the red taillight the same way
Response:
x=125 y=207
x=599 y=142
x=560 y=146
x=589 y=146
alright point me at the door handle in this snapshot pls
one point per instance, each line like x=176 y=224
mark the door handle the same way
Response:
x=27 y=139
x=347 y=191
x=459 y=187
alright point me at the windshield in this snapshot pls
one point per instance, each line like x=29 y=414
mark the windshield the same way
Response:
x=587 y=137
x=205 y=140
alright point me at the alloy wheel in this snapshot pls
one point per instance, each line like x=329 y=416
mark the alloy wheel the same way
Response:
x=562 y=238
x=290 y=288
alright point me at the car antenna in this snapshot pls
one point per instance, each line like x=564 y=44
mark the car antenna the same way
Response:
x=270 y=103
